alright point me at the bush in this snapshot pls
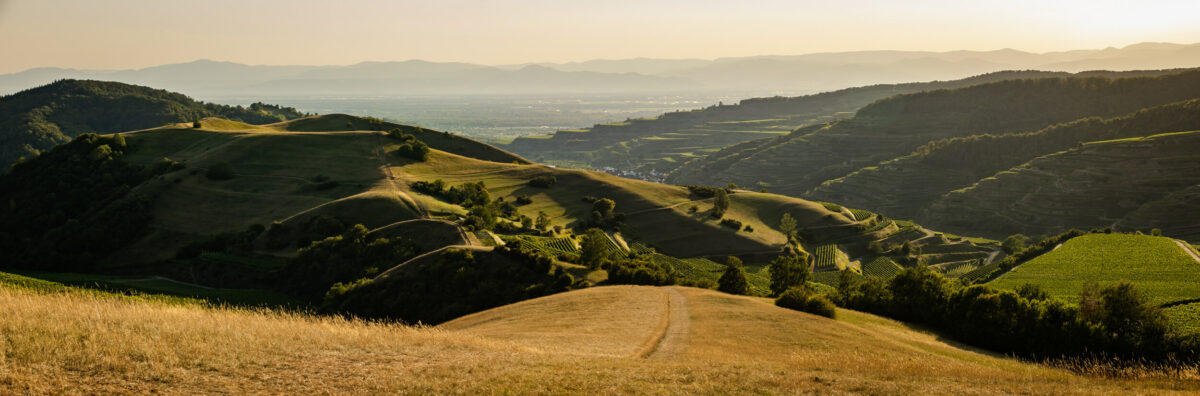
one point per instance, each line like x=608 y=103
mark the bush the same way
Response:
x=220 y=171
x=731 y=223
x=524 y=200
x=733 y=281
x=804 y=301
x=410 y=146
x=543 y=181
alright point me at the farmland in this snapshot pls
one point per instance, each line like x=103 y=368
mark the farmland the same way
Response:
x=1156 y=265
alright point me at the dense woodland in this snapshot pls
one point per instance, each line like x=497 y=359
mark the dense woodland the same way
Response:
x=37 y=119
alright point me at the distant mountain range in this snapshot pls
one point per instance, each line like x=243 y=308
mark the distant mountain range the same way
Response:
x=769 y=74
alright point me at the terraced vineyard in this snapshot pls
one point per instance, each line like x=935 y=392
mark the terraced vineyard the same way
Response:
x=882 y=268
x=861 y=214
x=549 y=245
x=1156 y=265
x=829 y=258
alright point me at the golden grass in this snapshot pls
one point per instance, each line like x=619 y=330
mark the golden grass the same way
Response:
x=56 y=343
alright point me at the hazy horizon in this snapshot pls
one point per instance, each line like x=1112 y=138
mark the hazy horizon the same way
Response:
x=133 y=34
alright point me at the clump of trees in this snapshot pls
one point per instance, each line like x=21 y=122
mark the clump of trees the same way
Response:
x=1110 y=322
x=720 y=204
x=543 y=181
x=788 y=271
x=733 y=281
x=343 y=258
x=804 y=300
x=732 y=223
x=410 y=146
x=456 y=283
x=1014 y=243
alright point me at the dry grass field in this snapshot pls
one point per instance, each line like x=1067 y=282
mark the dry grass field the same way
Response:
x=589 y=341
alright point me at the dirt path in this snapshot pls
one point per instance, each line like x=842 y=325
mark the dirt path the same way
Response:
x=387 y=172
x=1188 y=250
x=671 y=340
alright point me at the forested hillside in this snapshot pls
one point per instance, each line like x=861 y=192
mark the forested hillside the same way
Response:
x=666 y=142
x=37 y=119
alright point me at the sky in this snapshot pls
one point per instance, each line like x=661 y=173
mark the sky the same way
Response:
x=121 y=34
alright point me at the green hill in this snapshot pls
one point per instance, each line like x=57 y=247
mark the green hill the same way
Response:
x=896 y=126
x=37 y=119
x=233 y=205
x=906 y=185
x=1124 y=183
x=668 y=141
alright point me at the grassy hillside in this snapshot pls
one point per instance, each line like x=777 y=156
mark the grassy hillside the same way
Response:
x=666 y=142
x=37 y=119
x=1158 y=266
x=1097 y=184
x=903 y=186
x=719 y=344
x=896 y=126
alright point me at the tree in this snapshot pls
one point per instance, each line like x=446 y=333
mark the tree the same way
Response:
x=526 y=222
x=593 y=252
x=788 y=271
x=787 y=224
x=119 y=142
x=733 y=281
x=1014 y=243
x=875 y=247
x=196 y=124
x=543 y=221
x=720 y=204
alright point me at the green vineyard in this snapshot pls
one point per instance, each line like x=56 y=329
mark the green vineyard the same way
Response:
x=882 y=267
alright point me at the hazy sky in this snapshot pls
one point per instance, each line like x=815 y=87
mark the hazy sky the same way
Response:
x=139 y=33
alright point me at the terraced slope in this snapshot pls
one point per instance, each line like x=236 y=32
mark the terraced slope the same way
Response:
x=897 y=126
x=666 y=142
x=1098 y=184
x=902 y=187
x=724 y=344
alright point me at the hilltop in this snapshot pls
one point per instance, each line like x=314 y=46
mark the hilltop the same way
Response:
x=721 y=344
x=37 y=119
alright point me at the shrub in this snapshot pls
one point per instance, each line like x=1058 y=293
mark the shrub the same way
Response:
x=804 y=301
x=524 y=200
x=731 y=223
x=543 y=181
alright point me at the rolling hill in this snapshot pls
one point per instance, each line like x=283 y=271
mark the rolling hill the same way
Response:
x=698 y=341
x=39 y=118
x=666 y=142
x=904 y=186
x=796 y=163
x=234 y=205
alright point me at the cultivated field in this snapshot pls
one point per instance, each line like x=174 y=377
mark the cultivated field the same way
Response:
x=1156 y=265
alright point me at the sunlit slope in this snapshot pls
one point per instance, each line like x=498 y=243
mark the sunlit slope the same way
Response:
x=1097 y=184
x=1158 y=266
x=728 y=345
x=898 y=125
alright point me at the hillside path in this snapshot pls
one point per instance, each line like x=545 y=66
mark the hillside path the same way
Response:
x=672 y=339
x=387 y=172
x=1187 y=249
